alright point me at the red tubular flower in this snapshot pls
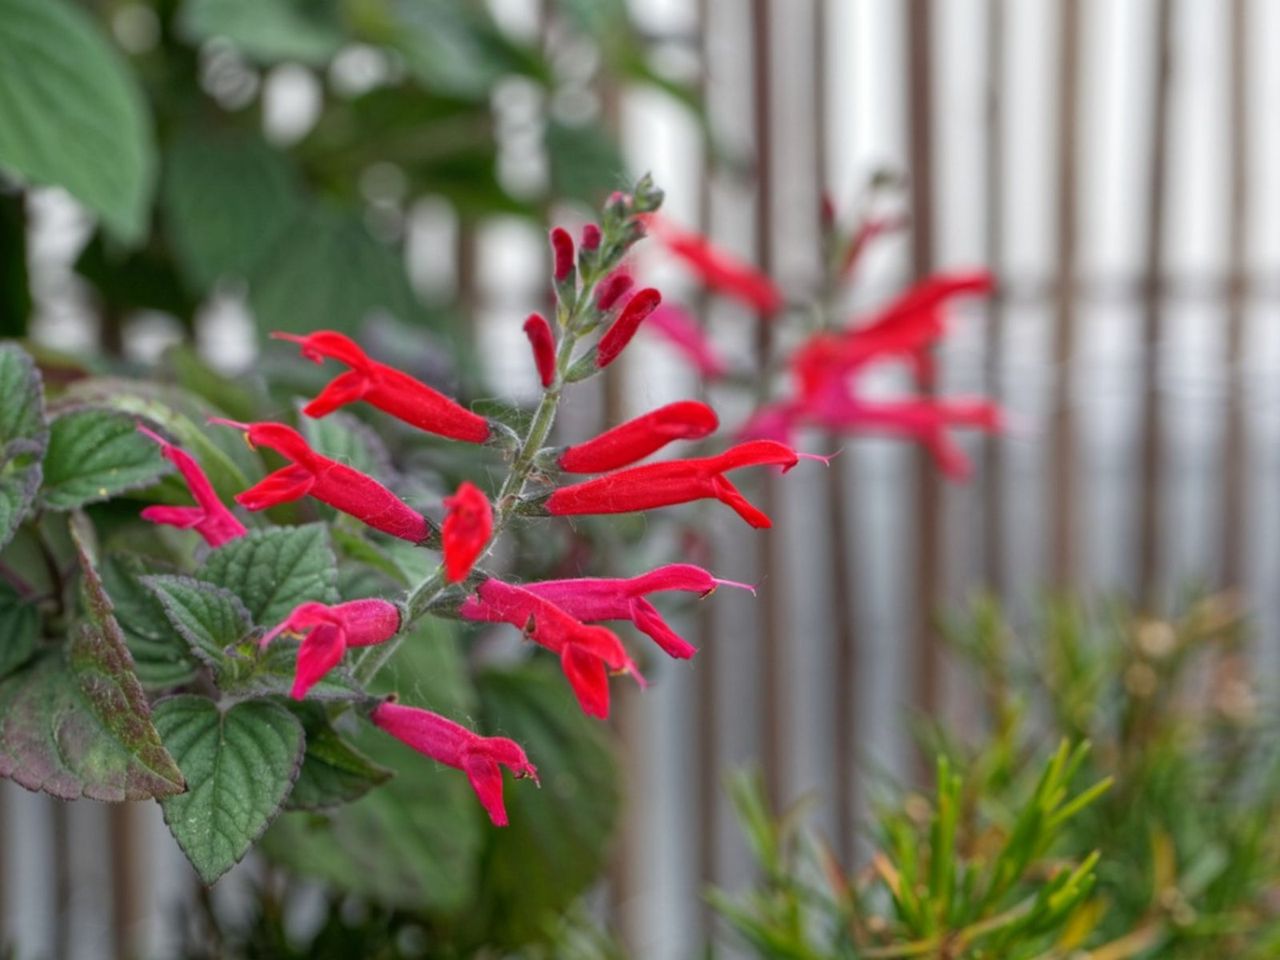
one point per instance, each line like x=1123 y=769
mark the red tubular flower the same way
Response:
x=466 y=531
x=619 y=334
x=682 y=331
x=596 y=599
x=675 y=481
x=480 y=758
x=587 y=654
x=590 y=237
x=637 y=438
x=209 y=517
x=329 y=481
x=543 y=343
x=562 y=250
x=327 y=631
x=386 y=388
x=718 y=269
x=867 y=232
x=611 y=290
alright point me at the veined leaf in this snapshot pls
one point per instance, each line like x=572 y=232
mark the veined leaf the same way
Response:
x=276 y=569
x=161 y=658
x=95 y=454
x=211 y=619
x=19 y=630
x=23 y=435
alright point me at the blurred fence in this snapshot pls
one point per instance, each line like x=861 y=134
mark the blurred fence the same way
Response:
x=1114 y=163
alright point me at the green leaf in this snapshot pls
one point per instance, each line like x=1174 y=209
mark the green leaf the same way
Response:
x=568 y=822
x=268 y=31
x=239 y=766
x=71 y=112
x=23 y=434
x=95 y=454
x=135 y=278
x=333 y=772
x=328 y=272
x=586 y=163
x=75 y=722
x=211 y=619
x=414 y=842
x=161 y=658
x=225 y=198
x=19 y=630
x=276 y=569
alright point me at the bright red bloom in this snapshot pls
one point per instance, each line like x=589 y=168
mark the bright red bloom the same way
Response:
x=466 y=531
x=677 y=326
x=719 y=270
x=209 y=517
x=587 y=654
x=386 y=388
x=674 y=481
x=596 y=599
x=590 y=237
x=480 y=758
x=637 y=438
x=868 y=231
x=327 y=631
x=562 y=250
x=611 y=290
x=340 y=486
x=543 y=343
x=619 y=334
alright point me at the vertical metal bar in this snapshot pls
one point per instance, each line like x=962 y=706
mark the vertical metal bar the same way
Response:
x=63 y=881
x=1234 y=486
x=993 y=459
x=773 y=673
x=926 y=653
x=1061 y=473
x=1152 y=328
x=126 y=878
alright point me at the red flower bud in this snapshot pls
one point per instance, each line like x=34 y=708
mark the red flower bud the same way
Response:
x=611 y=290
x=719 y=270
x=562 y=250
x=466 y=531
x=617 y=337
x=480 y=758
x=209 y=517
x=386 y=388
x=327 y=632
x=543 y=343
x=340 y=486
x=637 y=438
x=674 y=481
x=596 y=599
x=586 y=653
x=590 y=237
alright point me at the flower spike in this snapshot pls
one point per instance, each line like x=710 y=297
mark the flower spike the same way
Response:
x=637 y=438
x=209 y=517
x=611 y=290
x=543 y=343
x=328 y=630
x=480 y=758
x=618 y=335
x=466 y=531
x=382 y=386
x=562 y=254
x=340 y=486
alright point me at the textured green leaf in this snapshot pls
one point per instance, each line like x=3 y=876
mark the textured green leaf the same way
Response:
x=239 y=766
x=568 y=822
x=23 y=436
x=328 y=272
x=276 y=569
x=161 y=658
x=333 y=771
x=19 y=630
x=95 y=454
x=75 y=722
x=268 y=31
x=226 y=198
x=71 y=113
x=212 y=620
x=414 y=842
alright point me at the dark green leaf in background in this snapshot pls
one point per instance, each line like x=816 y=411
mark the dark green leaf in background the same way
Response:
x=586 y=163
x=276 y=569
x=269 y=31
x=19 y=630
x=162 y=659
x=23 y=437
x=333 y=771
x=239 y=765
x=95 y=454
x=71 y=113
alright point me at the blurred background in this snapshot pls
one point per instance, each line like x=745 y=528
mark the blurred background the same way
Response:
x=1111 y=162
